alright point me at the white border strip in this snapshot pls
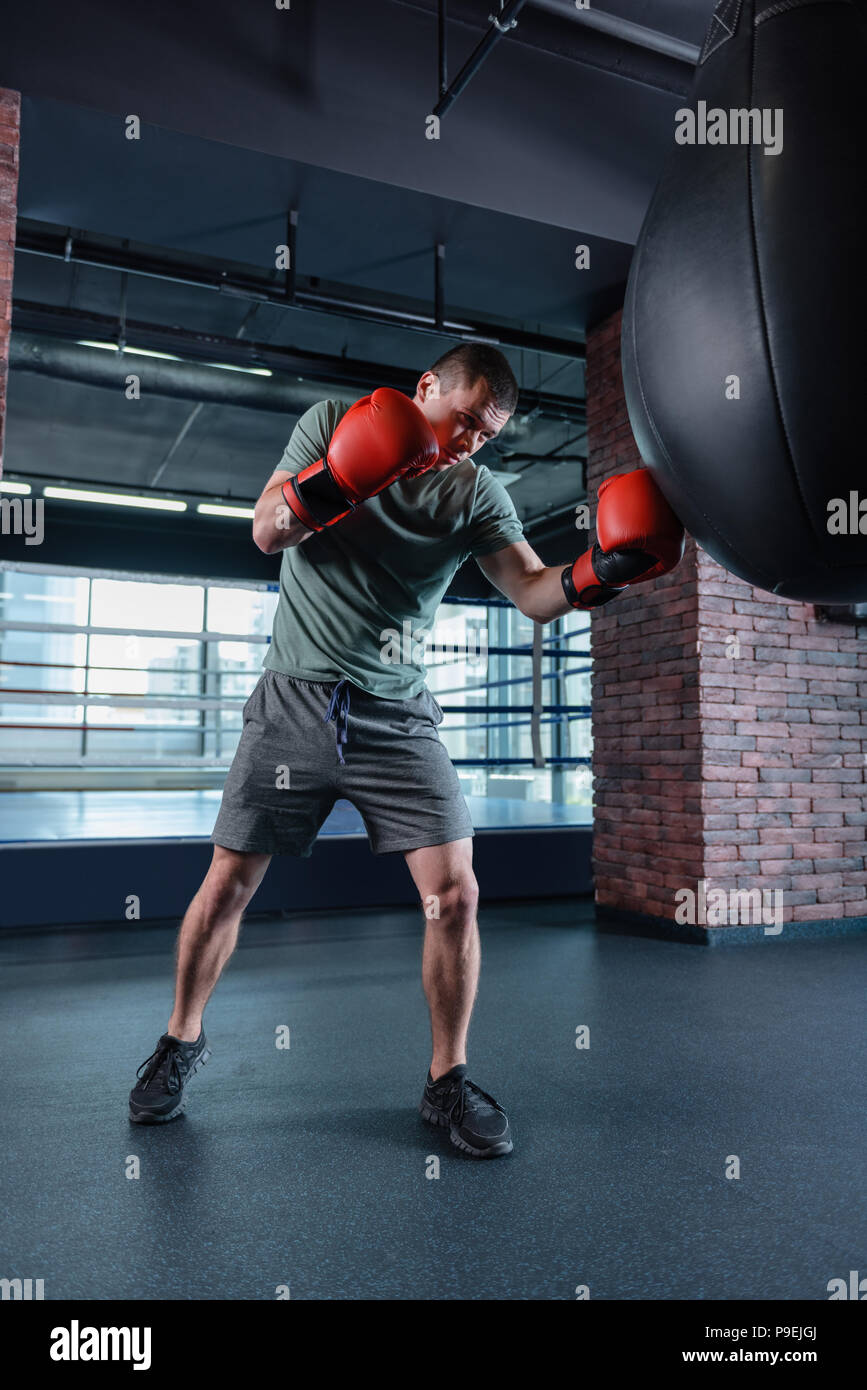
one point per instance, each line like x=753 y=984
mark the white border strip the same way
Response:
x=13 y=625
x=79 y=572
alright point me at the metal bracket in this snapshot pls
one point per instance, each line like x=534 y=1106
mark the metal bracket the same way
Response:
x=442 y=46
x=439 y=291
x=291 y=242
x=501 y=24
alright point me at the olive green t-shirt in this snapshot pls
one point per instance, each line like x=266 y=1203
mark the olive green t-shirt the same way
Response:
x=347 y=591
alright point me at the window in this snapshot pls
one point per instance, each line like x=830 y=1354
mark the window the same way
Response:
x=113 y=670
x=161 y=669
x=488 y=696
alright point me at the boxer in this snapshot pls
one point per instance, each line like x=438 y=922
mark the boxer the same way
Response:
x=374 y=507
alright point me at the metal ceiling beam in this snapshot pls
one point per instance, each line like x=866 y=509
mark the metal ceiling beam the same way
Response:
x=239 y=283
x=625 y=50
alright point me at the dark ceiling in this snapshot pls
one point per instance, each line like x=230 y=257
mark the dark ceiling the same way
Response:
x=250 y=111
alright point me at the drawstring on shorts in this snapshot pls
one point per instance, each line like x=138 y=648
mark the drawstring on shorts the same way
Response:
x=338 y=710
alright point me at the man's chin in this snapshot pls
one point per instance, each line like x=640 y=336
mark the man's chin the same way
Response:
x=445 y=461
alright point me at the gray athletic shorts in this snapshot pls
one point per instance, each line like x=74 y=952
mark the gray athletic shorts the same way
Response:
x=305 y=744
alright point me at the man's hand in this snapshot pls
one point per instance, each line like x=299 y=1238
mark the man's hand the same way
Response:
x=381 y=438
x=638 y=537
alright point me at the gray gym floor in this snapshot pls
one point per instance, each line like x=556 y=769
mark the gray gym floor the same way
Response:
x=307 y=1167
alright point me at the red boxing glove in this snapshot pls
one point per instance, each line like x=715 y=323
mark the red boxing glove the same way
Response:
x=381 y=438
x=638 y=537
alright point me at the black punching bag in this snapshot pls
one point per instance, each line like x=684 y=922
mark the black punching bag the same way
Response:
x=745 y=325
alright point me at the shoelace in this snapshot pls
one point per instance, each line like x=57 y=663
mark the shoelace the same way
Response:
x=458 y=1106
x=164 y=1061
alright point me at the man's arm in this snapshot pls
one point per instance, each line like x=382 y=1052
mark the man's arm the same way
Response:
x=535 y=589
x=638 y=538
x=274 y=525
x=382 y=437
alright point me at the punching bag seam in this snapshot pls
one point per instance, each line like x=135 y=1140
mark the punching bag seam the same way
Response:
x=631 y=327
x=762 y=300
x=715 y=40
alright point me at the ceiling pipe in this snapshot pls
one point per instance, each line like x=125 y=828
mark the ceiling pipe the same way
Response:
x=59 y=321
x=284 y=394
x=546 y=23
x=623 y=29
x=187 y=381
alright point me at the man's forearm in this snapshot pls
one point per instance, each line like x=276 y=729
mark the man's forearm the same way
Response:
x=638 y=539
x=543 y=598
x=275 y=527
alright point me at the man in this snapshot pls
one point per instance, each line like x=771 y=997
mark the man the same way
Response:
x=375 y=506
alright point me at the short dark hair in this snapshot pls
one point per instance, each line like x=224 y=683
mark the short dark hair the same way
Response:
x=469 y=361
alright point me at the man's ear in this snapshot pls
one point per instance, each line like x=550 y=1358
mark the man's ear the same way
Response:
x=428 y=386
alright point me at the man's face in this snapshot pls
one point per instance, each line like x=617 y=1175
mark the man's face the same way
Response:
x=463 y=419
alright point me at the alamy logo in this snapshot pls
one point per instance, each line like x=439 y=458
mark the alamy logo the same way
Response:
x=76 y=1343
x=716 y=907
x=408 y=646
x=855 y=1289
x=739 y=126
x=22 y=1288
x=847 y=516
x=23 y=517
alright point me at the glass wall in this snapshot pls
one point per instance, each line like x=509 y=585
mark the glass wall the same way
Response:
x=160 y=669
x=43 y=662
x=488 y=697
x=112 y=670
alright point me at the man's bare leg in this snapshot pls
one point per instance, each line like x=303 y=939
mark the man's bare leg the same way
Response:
x=209 y=933
x=451 y=961
x=477 y=1124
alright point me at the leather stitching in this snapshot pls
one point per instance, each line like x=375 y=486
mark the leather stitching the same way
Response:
x=783 y=5
x=723 y=25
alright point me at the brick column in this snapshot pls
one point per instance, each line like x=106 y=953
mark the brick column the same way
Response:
x=729 y=729
x=10 y=126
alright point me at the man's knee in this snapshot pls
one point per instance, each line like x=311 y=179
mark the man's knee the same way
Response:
x=232 y=880
x=456 y=902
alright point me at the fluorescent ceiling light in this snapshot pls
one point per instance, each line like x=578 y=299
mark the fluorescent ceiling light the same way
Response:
x=114 y=499
x=172 y=357
x=230 y=367
x=23 y=488
x=133 y=352
x=215 y=509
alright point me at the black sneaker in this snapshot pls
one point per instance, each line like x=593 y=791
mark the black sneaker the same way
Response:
x=476 y=1123
x=159 y=1095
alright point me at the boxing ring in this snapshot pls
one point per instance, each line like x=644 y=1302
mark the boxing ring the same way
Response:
x=110 y=825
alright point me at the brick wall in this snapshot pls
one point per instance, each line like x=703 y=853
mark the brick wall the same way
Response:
x=10 y=118
x=729 y=726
